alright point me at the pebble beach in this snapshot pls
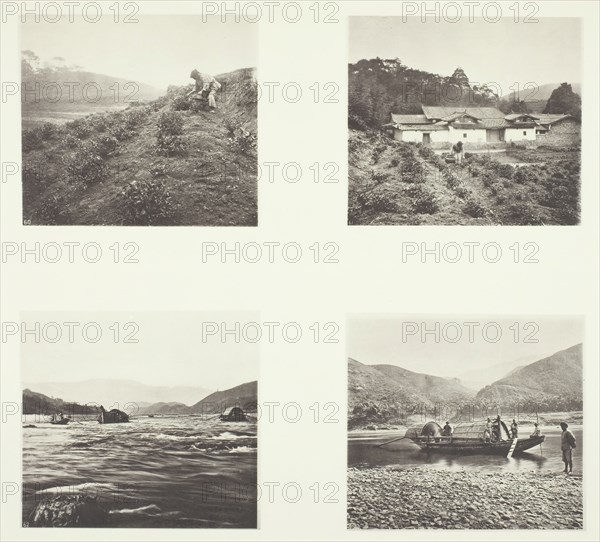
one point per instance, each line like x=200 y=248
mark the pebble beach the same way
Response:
x=426 y=498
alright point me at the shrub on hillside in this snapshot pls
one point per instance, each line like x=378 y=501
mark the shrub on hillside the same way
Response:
x=170 y=127
x=525 y=174
x=78 y=128
x=169 y=145
x=48 y=130
x=31 y=140
x=474 y=208
x=181 y=103
x=523 y=214
x=54 y=211
x=379 y=176
x=87 y=167
x=425 y=202
x=104 y=145
x=244 y=141
x=170 y=123
x=99 y=123
x=134 y=117
x=146 y=203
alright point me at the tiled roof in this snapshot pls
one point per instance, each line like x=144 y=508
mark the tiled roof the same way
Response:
x=496 y=123
x=550 y=119
x=430 y=127
x=410 y=119
x=514 y=116
x=438 y=112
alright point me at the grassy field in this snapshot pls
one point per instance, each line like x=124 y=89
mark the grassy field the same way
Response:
x=395 y=183
x=166 y=162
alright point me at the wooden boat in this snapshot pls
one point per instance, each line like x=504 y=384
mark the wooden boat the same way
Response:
x=59 y=421
x=471 y=438
x=112 y=416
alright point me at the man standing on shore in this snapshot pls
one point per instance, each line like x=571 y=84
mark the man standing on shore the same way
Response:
x=567 y=443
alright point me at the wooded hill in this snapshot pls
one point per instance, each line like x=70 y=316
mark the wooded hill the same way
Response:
x=383 y=394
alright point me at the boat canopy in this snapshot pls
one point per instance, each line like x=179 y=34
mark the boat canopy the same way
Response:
x=476 y=430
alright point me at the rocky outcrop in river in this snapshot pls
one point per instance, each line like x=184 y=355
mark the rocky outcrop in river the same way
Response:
x=391 y=498
x=69 y=511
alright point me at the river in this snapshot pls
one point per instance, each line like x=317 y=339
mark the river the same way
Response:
x=151 y=472
x=363 y=452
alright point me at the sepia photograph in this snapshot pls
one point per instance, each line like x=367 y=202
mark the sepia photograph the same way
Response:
x=470 y=122
x=145 y=124
x=465 y=423
x=149 y=427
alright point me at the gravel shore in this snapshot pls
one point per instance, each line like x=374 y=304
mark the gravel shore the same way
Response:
x=425 y=498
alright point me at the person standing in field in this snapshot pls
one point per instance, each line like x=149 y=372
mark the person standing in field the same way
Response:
x=206 y=86
x=567 y=443
x=457 y=151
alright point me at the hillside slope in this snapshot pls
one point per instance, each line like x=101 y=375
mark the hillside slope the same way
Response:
x=536 y=97
x=38 y=403
x=552 y=383
x=245 y=396
x=436 y=389
x=119 y=391
x=382 y=394
x=166 y=162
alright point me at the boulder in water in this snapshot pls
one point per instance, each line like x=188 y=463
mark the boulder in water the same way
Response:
x=69 y=511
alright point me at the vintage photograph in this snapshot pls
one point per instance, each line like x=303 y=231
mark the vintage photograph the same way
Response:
x=145 y=124
x=465 y=423
x=158 y=433
x=464 y=122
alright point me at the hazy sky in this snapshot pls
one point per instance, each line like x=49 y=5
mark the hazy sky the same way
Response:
x=158 y=50
x=170 y=351
x=379 y=340
x=504 y=52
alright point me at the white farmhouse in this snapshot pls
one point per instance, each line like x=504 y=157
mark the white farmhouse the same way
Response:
x=474 y=126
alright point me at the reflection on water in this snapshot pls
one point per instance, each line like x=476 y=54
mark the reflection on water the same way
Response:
x=151 y=472
x=363 y=451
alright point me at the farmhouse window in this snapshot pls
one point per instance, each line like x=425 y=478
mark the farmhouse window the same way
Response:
x=464 y=135
x=524 y=132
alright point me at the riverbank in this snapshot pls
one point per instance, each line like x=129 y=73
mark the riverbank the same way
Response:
x=425 y=498
x=545 y=419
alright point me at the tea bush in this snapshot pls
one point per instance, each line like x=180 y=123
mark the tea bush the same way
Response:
x=169 y=145
x=104 y=145
x=146 y=203
x=170 y=123
x=425 y=202
x=78 y=128
x=170 y=127
x=524 y=214
x=54 y=211
x=379 y=176
x=87 y=167
x=181 y=103
x=48 y=130
x=31 y=140
x=474 y=208
x=244 y=141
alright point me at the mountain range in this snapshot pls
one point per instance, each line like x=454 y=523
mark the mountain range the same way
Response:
x=385 y=393
x=537 y=97
x=119 y=391
x=245 y=395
